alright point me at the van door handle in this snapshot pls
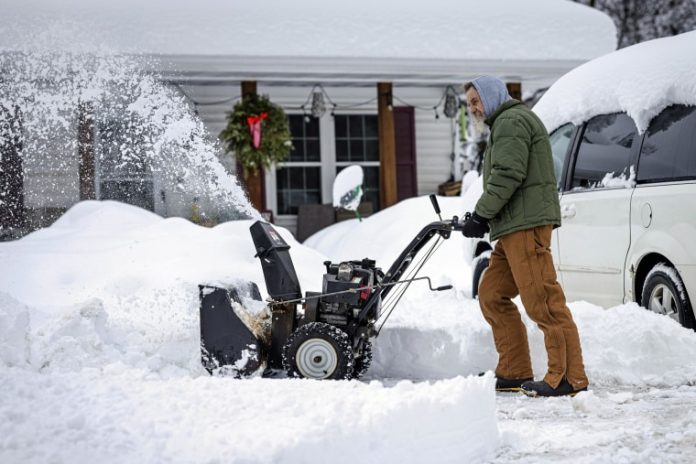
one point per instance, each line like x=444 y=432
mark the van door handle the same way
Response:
x=568 y=211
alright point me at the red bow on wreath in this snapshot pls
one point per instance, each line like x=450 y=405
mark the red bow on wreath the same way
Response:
x=255 y=129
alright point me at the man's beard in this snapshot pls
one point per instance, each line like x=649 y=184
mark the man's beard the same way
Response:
x=478 y=125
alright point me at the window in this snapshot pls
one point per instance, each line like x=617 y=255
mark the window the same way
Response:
x=604 y=154
x=123 y=171
x=299 y=178
x=560 y=140
x=357 y=142
x=669 y=148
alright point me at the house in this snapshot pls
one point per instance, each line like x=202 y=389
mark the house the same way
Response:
x=383 y=69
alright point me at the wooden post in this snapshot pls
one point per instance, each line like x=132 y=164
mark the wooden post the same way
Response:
x=387 y=145
x=254 y=183
x=515 y=90
x=85 y=149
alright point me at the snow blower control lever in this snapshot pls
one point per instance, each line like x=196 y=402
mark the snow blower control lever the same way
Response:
x=330 y=336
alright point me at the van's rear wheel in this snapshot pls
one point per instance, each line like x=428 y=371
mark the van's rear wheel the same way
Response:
x=664 y=293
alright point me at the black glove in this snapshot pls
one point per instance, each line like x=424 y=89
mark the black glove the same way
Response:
x=474 y=225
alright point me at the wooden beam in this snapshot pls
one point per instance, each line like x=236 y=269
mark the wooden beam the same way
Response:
x=515 y=90
x=85 y=149
x=254 y=183
x=387 y=146
x=248 y=88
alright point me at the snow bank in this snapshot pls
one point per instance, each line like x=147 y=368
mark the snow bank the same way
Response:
x=14 y=331
x=109 y=281
x=496 y=29
x=641 y=80
x=123 y=415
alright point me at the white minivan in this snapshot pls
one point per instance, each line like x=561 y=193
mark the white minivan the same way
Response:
x=628 y=207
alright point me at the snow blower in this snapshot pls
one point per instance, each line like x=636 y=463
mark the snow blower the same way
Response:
x=331 y=337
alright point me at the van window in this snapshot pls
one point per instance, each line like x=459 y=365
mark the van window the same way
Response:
x=560 y=140
x=669 y=148
x=604 y=154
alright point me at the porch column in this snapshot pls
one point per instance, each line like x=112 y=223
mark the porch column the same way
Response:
x=85 y=149
x=515 y=90
x=254 y=183
x=387 y=145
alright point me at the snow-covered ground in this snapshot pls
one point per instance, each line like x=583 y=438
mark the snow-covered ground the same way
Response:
x=99 y=360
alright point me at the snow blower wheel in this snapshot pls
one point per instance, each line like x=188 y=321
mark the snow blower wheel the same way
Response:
x=318 y=351
x=362 y=364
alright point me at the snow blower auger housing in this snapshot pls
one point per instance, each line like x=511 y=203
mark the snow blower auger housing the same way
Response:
x=331 y=337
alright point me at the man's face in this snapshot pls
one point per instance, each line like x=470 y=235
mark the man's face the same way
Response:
x=473 y=101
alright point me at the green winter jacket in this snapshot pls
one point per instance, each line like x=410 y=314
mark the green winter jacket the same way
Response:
x=519 y=184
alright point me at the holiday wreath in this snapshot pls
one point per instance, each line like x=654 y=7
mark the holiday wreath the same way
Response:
x=257 y=132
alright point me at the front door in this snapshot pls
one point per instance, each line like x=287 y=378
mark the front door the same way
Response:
x=595 y=210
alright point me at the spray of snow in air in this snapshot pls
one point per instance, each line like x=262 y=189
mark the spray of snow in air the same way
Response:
x=150 y=148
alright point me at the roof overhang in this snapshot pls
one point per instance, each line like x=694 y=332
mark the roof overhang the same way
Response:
x=342 y=71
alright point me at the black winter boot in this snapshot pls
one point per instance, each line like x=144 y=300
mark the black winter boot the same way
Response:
x=541 y=388
x=509 y=385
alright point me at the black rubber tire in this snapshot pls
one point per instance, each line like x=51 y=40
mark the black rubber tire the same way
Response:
x=362 y=364
x=479 y=269
x=325 y=336
x=681 y=300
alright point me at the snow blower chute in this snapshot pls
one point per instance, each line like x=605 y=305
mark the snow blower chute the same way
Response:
x=331 y=337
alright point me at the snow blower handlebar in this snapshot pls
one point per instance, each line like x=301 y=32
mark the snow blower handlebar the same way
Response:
x=397 y=270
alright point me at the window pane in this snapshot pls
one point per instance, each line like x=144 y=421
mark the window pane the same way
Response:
x=297 y=152
x=357 y=152
x=312 y=128
x=605 y=148
x=296 y=123
x=669 y=148
x=355 y=126
x=340 y=123
x=371 y=126
x=372 y=150
x=313 y=151
x=371 y=186
x=560 y=140
x=342 y=150
x=304 y=187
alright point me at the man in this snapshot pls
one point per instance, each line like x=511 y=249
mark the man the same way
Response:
x=520 y=206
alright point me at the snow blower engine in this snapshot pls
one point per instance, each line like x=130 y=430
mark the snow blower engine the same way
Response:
x=331 y=337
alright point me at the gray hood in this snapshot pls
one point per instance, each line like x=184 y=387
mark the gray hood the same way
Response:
x=493 y=93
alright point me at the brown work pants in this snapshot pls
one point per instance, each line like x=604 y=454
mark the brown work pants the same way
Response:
x=521 y=263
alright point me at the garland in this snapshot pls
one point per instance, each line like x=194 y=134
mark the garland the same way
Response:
x=257 y=132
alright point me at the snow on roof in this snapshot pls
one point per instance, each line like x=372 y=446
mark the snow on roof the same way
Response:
x=450 y=29
x=641 y=80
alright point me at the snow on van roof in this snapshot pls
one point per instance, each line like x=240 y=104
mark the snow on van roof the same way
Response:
x=641 y=80
x=450 y=29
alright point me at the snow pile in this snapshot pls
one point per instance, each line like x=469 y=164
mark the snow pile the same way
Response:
x=14 y=331
x=630 y=345
x=122 y=415
x=109 y=282
x=495 y=29
x=641 y=80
